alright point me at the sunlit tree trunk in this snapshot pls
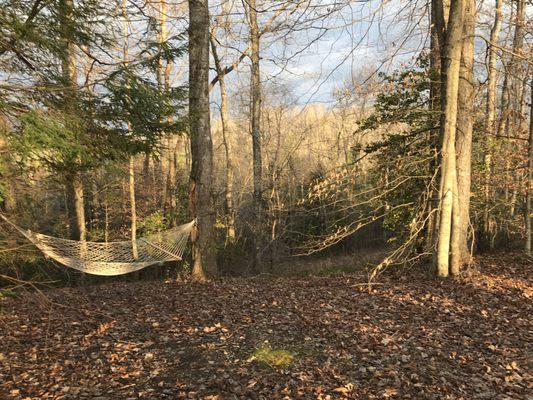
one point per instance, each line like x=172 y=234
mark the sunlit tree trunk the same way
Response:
x=516 y=71
x=200 y=195
x=461 y=210
x=439 y=15
x=509 y=89
x=159 y=174
x=131 y=164
x=106 y=216
x=165 y=69
x=133 y=207
x=256 y=128
x=490 y=115
x=529 y=181
x=228 y=192
x=448 y=186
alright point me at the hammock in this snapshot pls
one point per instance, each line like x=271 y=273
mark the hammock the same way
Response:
x=112 y=258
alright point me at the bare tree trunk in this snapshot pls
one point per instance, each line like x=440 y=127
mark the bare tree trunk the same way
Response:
x=133 y=208
x=187 y=152
x=461 y=211
x=171 y=179
x=76 y=207
x=106 y=217
x=516 y=71
x=529 y=181
x=165 y=70
x=200 y=195
x=490 y=115
x=7 y=198
x=230 y=213
x=131 y=165
x=440 y=10
x=448 y=186
x=256 y=127
x=510 y=89
x=74 y=186
x=159 y=177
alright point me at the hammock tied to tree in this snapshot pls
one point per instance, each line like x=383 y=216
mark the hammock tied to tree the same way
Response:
x=112 y=258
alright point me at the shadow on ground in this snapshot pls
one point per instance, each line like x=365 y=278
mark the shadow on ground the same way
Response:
x=406 y=337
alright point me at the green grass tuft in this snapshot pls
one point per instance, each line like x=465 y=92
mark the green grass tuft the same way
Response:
x=273 y=357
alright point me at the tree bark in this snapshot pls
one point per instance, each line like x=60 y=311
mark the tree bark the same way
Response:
x=529 y=181
x=448 y=185
x=228 y=192
x=200 y=195
x=461 y=211
x=74 y=186
x=165 y=70
x=490 y=115
x=131 y=165
x=133 y=207
x=509 y=89
x=7 y=198
x=76 y=209
x=256 y=128
x=437 y=31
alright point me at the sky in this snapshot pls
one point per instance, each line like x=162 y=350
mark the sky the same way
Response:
x=359 y=39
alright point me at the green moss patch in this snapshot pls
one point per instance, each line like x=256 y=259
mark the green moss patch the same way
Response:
x=273 y=357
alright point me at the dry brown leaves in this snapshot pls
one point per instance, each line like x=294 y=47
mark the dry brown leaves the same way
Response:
x=411 y=337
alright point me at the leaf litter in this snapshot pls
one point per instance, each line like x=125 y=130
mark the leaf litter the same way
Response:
x=410 y=337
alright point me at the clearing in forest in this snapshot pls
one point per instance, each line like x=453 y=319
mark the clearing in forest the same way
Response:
x=315 y=337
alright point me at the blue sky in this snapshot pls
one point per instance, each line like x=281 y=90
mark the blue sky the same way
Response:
x=362 y=37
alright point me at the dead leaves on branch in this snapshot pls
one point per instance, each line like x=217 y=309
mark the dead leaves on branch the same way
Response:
x=316 y=338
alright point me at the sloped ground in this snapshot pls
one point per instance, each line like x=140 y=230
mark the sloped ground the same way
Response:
x=409 y=337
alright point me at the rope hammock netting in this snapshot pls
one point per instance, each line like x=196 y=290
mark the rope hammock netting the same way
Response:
x=112 y=258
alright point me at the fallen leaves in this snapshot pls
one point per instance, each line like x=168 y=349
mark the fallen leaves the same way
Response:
x=322 y=338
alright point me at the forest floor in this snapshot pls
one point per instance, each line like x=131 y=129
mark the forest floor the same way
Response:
x=409 y=337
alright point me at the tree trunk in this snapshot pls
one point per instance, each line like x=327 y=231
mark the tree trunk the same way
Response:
x=448 y=185
x=106 y=216
x=74 y=186
x=7 y=199
x=228 y=192
x=529 y=181
x=133 y=208
x=515 y=69
x=490 y=115
x=200 y=195
x=461 y=211
x=438 y=27
x=131 y=165
x=256 y=128
x=76 y=209
x=165 y=70
x=171 y=180
x=507 y=109
x=68 y=57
